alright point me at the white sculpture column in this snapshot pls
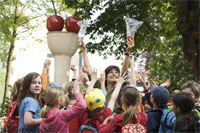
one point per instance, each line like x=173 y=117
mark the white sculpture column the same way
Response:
x=63 y=45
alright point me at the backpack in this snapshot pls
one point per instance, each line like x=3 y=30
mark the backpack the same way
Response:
x=91 y=125
x=191 y=123
x=133 y=128
x=196 y=126
x=11 y=122
x=167 y=121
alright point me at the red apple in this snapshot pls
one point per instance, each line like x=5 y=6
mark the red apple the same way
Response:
x=55 y=23
x=71 y=24
x=130 y=38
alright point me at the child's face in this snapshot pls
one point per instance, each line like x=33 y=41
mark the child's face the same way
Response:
x=151 y=98
x=175 y=109
x=36 y=85
x=189 y=91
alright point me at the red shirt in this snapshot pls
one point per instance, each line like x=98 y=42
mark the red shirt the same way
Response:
x=116 y=124
x=83 y=117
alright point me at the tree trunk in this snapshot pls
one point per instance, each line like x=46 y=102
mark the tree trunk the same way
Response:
x=10 y=55
x=188 y=26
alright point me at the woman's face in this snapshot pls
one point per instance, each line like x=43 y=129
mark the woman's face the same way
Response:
x=112 y=76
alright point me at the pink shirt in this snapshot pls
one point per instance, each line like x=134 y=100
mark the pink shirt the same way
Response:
x=58 y=120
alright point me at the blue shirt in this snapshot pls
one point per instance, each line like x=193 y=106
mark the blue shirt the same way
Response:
x=29 y=104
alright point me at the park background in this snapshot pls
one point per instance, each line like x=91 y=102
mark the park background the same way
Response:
x=168 y=40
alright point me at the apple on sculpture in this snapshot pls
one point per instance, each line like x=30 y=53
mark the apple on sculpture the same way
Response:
x=55 y=23
x=71 y=24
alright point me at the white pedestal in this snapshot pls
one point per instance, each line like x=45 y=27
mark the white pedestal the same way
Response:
x=63 y=45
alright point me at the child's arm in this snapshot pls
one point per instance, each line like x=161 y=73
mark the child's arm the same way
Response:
x=102 y=82
x=45 y=75
x=29 y=121
x=142 y=80
x=73 y=68
x=85 y=55
x=115 y=93
x=166 y=83
x=75 y=110
x=132 y=75
x=94 y=79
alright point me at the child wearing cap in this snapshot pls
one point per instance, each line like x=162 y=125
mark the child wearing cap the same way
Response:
x=96 y=112
x=159 y=98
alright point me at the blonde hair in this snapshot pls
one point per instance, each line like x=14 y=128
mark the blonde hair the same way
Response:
x=130 y=97
x=16 y=90
x=68 y=89
x=51 y=97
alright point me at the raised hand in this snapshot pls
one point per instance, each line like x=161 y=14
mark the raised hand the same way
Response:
x=73 y=68
x=142 y=77
x=121 y=78
x=47 y=63
x=130 y=43
x=85 y=70
x=166 y=83
x=94 y=74
x=142 y=80
x=81 y=44
x=76 y=85
x=102 y=79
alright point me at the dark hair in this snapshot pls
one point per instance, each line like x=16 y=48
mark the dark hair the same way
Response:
x=194 y=86
x=108 y=69
x=130 y=98
x=26 y=86
x=184 y=101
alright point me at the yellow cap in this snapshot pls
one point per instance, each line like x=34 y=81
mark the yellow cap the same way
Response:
x=94 y=99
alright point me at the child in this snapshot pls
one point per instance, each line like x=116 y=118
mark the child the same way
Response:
x=187 y=120
x=193 y=89
x=130 y=101
x=96 y=111
x=12 y=120
x=55 y=120
x=29 y=109
x=159 y=98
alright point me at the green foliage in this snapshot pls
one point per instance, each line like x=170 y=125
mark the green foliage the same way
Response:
x=19 y=15
x=159 y=19
x=4 y=107
x=171 y=64
x=158 y=34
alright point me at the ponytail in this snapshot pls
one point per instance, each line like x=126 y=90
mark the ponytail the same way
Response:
x=130 y=99
x=45 y=110
x=129 y=115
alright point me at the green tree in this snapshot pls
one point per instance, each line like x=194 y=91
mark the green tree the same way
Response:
x=171 y=64
x=16 y=18
x=158 y=30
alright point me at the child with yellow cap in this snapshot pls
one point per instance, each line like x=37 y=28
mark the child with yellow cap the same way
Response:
x=95 y=114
